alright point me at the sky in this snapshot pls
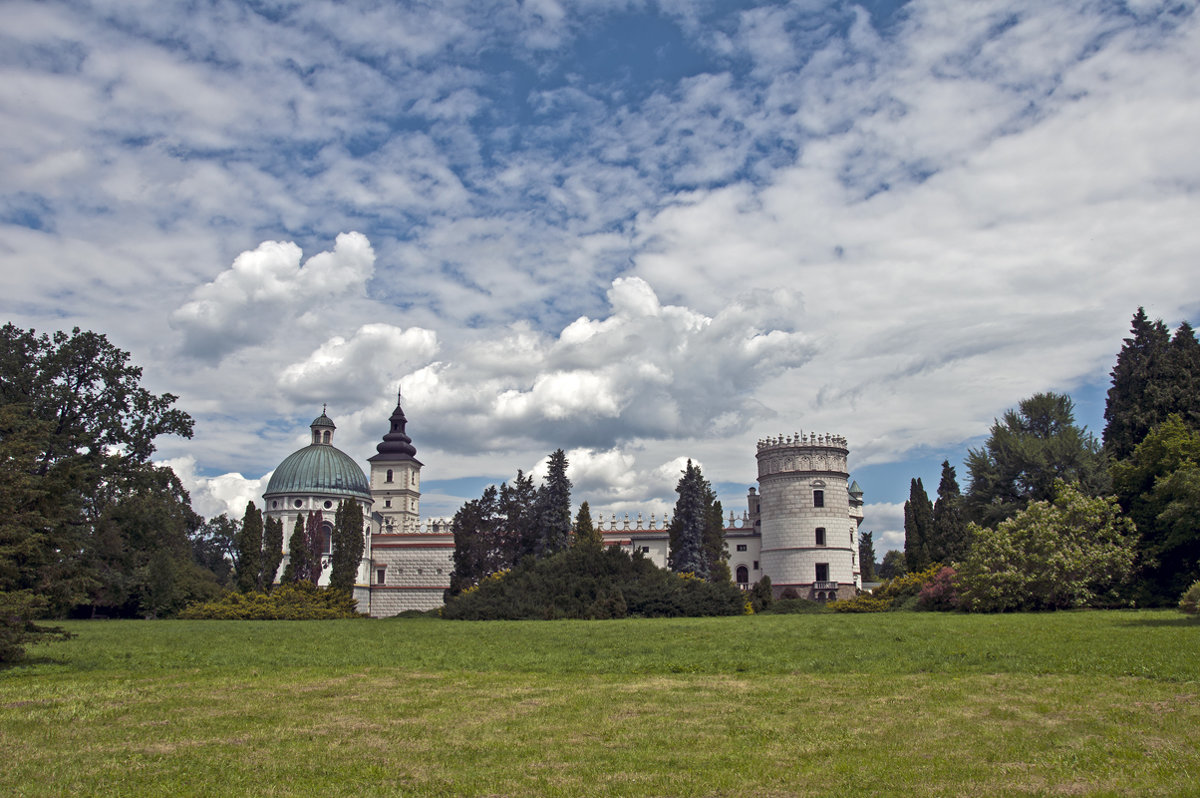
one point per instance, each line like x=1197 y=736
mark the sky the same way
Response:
x=639 y=231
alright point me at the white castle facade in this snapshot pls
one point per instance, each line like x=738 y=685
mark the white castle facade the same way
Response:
x=800 y=527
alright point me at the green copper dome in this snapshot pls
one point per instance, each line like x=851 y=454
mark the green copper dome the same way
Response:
x=319 y=468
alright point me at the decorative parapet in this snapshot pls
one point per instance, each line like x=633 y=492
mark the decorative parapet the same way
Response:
x=627 y=524
x=432 y=526
x=803 y=439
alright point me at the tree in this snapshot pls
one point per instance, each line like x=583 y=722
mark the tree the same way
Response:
x=1071 y=551
x=478 y=545
x=214 y=546
x=76 y=434
x=1158 y=486
x=1027 y=452
x=1155 y=376
x=893 y=565
x=716 y=552
x=347 y=545
x=314 y=538
x=866 y=556
x=687 y=527
x=553 y=508
x=518 y=534
x=947 y=541
x=272 y=552
x=918 y=527
x=300 y=556
x=586 y=533
x=250 y=542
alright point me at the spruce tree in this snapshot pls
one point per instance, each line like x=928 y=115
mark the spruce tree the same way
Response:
x=553 y=508
x=918 y=525
x=866 y=556
x=1132 y=407
x=948 y=541
x=586 y=533
x=518 y=534
x=250 y=540
x=347 y=545
x=272 y=552
x=686 y=531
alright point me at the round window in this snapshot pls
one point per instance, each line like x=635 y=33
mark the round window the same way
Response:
x=298 y=503
x=328 y=504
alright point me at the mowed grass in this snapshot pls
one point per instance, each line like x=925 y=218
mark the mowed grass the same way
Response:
x=1086 y=703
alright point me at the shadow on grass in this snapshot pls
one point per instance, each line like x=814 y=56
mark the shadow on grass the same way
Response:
x=1182 y=620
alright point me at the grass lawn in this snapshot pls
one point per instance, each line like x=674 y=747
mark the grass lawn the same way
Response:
x=1081 y=703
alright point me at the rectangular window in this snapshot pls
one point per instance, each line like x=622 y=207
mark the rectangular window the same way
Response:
x=756 y=565
x=818 y=498
x=387 y=502
x=741 y=547
x=380 y=575
x=820 y=536
x=645 y=549
x=822 y=572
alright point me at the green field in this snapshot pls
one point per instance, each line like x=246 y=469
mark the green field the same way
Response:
x=1082 y=703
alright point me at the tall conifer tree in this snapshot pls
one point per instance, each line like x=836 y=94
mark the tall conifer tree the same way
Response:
x=1133 y=401
x=918 y=524
x=298 y=567
x=586 y=533
x=347 y=545
x=686 y=531
x=866 y=556
x=948 y=541
x=272 y=552
x=314 y=539
x=250 y=541
x=553 y=508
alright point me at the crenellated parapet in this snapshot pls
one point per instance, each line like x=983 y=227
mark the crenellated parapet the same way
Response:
x=814 y=439
x=430 y=526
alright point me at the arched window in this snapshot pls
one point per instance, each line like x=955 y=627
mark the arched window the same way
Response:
x=325 y=437
x=389 y=476
x=818 y=498
x=327 y=534
x=820 y=536
x=743 y=575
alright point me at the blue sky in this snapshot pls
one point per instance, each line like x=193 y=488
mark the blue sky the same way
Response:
x=641 y=231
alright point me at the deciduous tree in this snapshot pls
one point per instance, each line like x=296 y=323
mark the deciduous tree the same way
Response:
x=1072 y=551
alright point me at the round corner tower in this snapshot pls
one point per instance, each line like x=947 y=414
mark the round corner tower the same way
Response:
x=809 y=518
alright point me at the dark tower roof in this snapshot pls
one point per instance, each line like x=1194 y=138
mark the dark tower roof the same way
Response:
x=396 y=445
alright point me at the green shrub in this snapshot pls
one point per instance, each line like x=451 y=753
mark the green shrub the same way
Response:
x=793 y=606
x=587 y=582
x=1189 y=602
x=863 y=602
x=298 y=601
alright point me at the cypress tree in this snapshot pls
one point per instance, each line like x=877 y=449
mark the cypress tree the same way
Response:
x=586 y=533
x=314 y=539
x=298 y=567
x=918 y=523
x=866 y=556
x=553 y=508
x=272 y=552
x=686 y=531
x=716 y=554
x=347 y=545
x=948 y=541
x=250 y=540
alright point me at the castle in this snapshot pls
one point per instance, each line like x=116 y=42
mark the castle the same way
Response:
x=800 y=527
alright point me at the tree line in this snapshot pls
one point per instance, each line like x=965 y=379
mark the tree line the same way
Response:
x=1053 y=517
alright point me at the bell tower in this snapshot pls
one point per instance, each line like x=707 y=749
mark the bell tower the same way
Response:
x=396 y=478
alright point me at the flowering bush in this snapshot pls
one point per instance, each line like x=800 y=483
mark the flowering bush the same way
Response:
x=939 y=593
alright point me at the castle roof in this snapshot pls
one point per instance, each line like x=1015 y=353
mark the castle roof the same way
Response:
x=322 y=469
x=396 y=445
